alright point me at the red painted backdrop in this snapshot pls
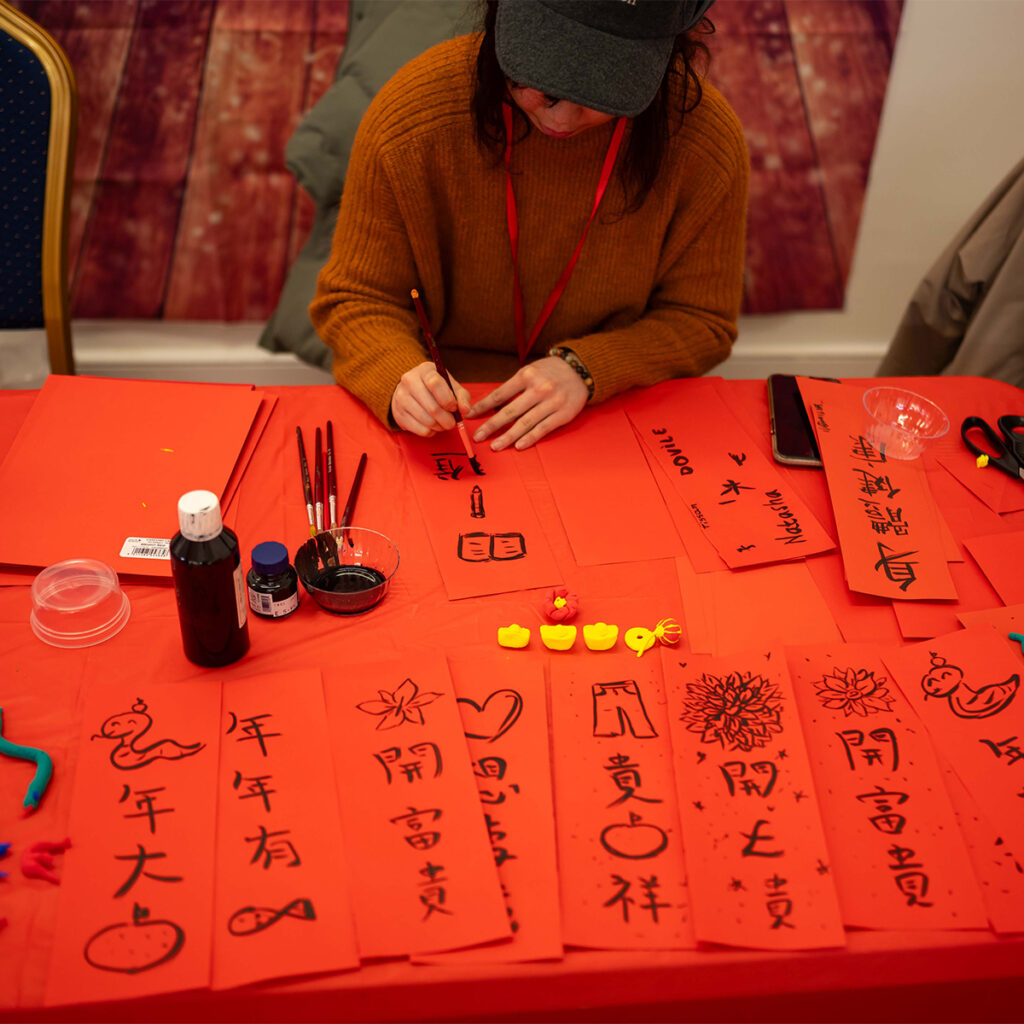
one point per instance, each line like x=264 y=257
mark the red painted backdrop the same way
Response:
x=183 y=209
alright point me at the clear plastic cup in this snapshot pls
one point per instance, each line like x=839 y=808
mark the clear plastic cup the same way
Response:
x=901 y=423
x=78 y=603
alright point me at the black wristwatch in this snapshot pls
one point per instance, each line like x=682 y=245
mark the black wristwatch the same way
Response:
x=559 y=352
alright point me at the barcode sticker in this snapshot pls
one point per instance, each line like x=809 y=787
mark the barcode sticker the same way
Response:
x=146 y=547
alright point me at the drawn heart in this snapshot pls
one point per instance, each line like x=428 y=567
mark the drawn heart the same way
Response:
x=489 y=723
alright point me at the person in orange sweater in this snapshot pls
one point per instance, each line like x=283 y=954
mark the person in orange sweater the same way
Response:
x=569 y=197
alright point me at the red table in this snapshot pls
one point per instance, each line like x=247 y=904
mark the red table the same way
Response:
x=881 y=975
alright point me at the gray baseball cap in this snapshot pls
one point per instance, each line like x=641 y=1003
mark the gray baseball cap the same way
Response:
x=609 y=55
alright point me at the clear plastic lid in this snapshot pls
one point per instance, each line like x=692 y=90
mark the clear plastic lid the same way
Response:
x=199 y=515
x=78 y=603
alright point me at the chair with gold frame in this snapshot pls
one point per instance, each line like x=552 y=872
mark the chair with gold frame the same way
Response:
x=38 y=126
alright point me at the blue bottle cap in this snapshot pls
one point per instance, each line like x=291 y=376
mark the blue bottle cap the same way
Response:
x=270 y=558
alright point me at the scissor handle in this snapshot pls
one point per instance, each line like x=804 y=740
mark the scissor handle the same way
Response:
x=999 y=455
x=1014 y=441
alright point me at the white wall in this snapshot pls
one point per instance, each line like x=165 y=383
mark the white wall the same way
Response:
x=952 y=126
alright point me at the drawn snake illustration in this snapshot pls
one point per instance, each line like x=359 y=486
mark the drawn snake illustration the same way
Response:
x=965 y=700
x=128 y=728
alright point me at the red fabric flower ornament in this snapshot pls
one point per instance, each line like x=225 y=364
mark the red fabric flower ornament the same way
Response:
x=561 y=606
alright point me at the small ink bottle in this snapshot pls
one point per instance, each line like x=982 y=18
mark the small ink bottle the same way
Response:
x=208 y=583
x=272 y=583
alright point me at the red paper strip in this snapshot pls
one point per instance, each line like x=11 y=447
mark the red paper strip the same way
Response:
x=759 y=869
x=998 y=870
x=966 y=687
x=486 y=536
x=998 y=491
x=620 y=851
x=757 y=607
x=422 y=865
x=860 y=617
x=282 y=903
x=609 y=504
x=1001 y=558
x=921 y=619
x=137 y=883
x=503 y=704
x=745 y=508
x=889 y=530
x=899 y=860
x=128 y=450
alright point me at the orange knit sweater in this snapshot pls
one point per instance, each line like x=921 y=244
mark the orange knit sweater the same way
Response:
x=655 y=293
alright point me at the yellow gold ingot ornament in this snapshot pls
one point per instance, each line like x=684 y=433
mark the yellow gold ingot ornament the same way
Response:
x=513 y=636
x=600 y=636
x=558 y=638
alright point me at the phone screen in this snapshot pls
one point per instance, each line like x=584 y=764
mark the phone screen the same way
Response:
x=792 y=435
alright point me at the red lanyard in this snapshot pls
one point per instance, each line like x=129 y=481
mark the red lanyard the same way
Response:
x=524 y=344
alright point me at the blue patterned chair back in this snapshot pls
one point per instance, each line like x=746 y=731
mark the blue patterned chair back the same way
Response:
x=38 y=114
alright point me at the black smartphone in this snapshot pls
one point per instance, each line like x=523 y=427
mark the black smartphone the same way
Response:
x=792 y=434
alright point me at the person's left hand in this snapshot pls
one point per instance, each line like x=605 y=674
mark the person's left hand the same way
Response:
x=537 y=399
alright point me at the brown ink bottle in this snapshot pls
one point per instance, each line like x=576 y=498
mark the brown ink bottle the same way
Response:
x=208 y=583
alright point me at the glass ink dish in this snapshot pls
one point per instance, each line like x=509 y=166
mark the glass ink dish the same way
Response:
x=348 y=569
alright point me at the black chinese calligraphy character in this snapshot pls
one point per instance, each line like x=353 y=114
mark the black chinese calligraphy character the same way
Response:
x=760 y=784
x=853 y=739
x=144 y=802
x=253 y=729
x=754 y=837
x=140 y=859
x=626 y=776
x=898 y=568
x=269 y=848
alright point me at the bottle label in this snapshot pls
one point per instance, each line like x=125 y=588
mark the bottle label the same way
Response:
x=146 y=547
x=240 y=603
x=264 y=604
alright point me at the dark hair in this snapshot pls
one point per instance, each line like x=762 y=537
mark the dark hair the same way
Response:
x=651 y=129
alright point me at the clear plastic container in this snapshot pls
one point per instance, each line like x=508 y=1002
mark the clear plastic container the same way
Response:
x=78 y=603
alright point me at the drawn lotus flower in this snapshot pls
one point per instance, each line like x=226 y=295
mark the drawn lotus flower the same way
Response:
x=740 y=710
x=401 y=706
x=854 y=691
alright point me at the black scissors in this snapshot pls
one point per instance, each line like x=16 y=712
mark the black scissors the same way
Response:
x=1009 y=449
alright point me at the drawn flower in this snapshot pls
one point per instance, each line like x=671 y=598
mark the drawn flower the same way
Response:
x=561 y=605
x=854 y=691
x=738 y=710
x=401 y=706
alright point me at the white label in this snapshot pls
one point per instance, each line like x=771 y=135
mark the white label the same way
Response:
x=240 y=603
x=146 y=547
x=264 y=604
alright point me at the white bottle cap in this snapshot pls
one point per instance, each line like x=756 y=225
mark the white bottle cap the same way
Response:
x=199 y=515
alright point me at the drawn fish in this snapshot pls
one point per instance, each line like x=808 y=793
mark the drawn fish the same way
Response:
x=250 y=920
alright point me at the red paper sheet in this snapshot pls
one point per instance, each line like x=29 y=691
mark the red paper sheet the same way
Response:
x=998 y=870
x=1001 y=558
x=921 y=619
x=424 y=879
x=620 y=849
x=759 y=871
x=503 y=705
x=966 y=687
x=486 y=536
x=755 y=607
x=899 y=860
x=137 y=883
x=891 y=538
x=282 y=901
x=998 y=491
x=1005 y=620
x=746 y=509
x=98 y=462
x=609 y=504
x=860 y=617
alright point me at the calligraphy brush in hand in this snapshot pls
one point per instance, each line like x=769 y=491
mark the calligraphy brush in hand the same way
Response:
x=435 y=355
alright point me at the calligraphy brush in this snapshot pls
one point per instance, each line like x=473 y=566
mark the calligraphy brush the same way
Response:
x=353 y=495
x=332 y=480
x=318 y=480
x=435 y=355
x=307 y=490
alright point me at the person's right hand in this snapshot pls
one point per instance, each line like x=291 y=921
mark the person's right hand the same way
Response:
x=423 y=403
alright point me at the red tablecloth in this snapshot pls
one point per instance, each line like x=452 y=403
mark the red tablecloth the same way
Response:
x=40 y=686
